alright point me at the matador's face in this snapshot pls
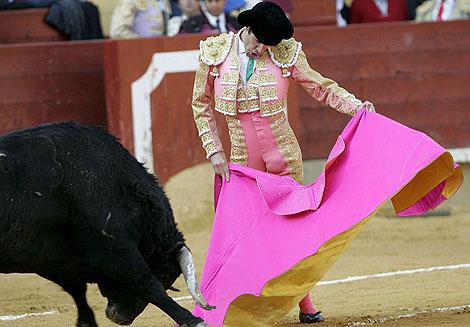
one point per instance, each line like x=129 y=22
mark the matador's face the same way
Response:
x=189 y=8
x=254 y=48
x=215 y=7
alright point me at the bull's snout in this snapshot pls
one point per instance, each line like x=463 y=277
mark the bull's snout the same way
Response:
x=113 y=314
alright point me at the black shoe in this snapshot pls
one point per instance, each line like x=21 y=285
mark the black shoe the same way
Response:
x=310 y=318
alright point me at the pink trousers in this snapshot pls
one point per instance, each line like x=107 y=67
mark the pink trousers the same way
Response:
x=265 y=143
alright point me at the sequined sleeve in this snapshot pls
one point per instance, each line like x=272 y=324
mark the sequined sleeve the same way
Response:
x=203 y=114
x=324 y=90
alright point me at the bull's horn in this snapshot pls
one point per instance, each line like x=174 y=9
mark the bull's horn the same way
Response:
x=185 y=260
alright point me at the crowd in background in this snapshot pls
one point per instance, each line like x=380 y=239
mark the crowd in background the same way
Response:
x=133 y=18
x=371 y=11
x=80 y=19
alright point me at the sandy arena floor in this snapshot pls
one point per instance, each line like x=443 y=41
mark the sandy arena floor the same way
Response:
x=387 y=244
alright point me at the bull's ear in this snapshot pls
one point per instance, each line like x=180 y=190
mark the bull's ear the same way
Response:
x=43 y=156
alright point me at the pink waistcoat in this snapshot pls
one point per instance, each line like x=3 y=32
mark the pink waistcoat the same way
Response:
x=265 y=91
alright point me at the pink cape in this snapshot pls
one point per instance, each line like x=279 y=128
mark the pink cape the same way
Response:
x=273 y=239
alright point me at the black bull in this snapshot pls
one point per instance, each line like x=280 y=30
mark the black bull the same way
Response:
x=77 y=208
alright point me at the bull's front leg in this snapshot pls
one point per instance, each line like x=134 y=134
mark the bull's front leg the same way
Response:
x=130 y=268
x=77 y=290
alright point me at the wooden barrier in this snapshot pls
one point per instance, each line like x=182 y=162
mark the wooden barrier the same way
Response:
x=26 y=25
x=417 y=74
x=176 y=145
x=313 y=12
x=51 y=82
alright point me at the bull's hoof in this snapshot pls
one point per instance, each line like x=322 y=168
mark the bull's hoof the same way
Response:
x=311 y=318
x=113 y=314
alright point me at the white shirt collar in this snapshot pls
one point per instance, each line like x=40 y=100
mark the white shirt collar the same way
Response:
x=241 y=45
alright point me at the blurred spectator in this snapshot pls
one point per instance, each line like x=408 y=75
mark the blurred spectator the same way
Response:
x=213 y=20
x=175 y=8
x=369 y=11
x=442 y=10
x=236 y=5
x=412 y=5
x=140 y=18
x=79 y=20
x=189 y=8
x=21 y=4
x=343 y=7
x=251 y=3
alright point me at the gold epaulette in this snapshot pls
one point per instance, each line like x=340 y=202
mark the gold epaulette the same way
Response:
x=286 y=53
x=215 y=49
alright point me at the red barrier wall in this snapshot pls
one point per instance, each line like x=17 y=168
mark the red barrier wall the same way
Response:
x=417 y=74
x=313 y=12
x=51 y=82
x=26 y=25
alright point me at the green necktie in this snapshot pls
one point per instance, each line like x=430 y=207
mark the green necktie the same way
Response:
x=249 y=68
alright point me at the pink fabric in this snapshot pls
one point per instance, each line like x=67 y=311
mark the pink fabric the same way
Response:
x=265 y=224
x=262 y=149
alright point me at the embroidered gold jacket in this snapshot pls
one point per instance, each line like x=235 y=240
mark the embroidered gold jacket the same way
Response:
x=218 y=78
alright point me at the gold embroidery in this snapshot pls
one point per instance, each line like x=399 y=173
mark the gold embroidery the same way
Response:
x=251 y=93
x=269 y=109
x=229 y=79
x=201 y=110
x=225 y=107
x=206 y=138
x=211 y=149
x=325 y=90
x=268 y=94
x=238 y=151
x=215 y=72
x=234 y=62
x=267 y=79
x=288 y=145
x=248 y=106
x=215 y=49
x=241 y=94
x=286 y=53
x=261 y=63
x=254 y=80
x=199 y=102
x=229 y=94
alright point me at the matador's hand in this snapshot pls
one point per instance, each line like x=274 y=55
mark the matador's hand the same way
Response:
x=369 y=106
x=219 y=162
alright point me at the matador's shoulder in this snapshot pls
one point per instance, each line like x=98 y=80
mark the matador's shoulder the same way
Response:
x=215 y=49
x=286 y=53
